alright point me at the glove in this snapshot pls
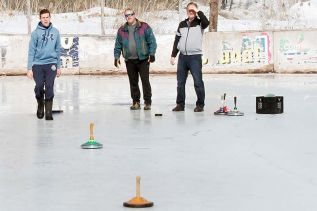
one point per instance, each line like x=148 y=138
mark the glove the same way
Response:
x=117 y=63
x=151 y=58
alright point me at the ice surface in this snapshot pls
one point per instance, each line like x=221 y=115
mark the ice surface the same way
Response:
x=187 y=161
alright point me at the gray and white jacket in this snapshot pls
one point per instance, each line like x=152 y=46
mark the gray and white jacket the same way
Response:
x=189 y=36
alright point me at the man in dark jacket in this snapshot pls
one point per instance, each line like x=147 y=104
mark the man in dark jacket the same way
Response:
x=136 y=41
x=188 y=41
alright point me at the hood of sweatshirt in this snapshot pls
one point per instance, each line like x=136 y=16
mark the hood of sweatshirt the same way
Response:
x=46 y=32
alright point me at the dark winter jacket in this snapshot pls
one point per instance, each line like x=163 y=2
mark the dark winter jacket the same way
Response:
x=189 y=36
x=144 y=39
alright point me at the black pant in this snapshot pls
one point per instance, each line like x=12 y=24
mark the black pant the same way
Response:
x=135 y=68
x=44 y=76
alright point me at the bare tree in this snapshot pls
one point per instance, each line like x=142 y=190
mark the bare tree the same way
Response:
x=231 y=3
x=247 y=4
x=29 y=16
x=223 y=4
x=213 y=15
x=180 y=4
x=102 y=19
x=5 y=4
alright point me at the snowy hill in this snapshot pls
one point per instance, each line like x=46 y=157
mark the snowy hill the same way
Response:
x=242 y=17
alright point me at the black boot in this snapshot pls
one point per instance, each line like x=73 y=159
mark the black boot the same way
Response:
x=48 y=109
x=40 y=108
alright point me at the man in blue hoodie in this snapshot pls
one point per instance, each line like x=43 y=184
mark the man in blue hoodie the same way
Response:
x=44 y=63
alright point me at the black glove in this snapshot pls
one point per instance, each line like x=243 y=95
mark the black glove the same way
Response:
x=117 y=62
x=152 y=58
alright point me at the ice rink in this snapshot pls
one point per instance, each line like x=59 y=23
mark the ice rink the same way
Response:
x=187 y=161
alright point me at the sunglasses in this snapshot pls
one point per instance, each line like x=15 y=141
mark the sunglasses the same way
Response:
x=129 y=15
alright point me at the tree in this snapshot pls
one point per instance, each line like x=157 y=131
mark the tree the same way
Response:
x=213 y=15
x=29 y=16
x=102 y=19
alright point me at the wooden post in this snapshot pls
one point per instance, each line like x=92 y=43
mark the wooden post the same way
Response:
x=102 y=22
x=29 y=16
x=213 y=15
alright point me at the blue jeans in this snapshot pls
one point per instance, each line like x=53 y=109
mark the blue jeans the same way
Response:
x=192 y=63
x=44 y=76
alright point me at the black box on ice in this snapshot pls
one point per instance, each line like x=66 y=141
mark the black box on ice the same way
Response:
x=269 y=105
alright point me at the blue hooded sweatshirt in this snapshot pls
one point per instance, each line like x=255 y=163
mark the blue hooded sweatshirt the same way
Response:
x=44 y=46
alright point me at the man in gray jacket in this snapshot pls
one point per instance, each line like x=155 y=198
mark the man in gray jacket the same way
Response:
x=188 y=41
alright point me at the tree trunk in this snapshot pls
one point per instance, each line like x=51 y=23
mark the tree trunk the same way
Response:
x=180 y=4
x=213 y=14
x=29 y=16
x=223 y=4
x=102 y=19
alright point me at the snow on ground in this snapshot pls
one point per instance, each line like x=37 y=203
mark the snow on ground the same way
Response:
x=300 y=15
x=88 y=22
x=304 y=13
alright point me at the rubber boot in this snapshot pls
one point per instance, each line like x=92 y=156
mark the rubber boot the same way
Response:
x=48 y=109
x=40 y=108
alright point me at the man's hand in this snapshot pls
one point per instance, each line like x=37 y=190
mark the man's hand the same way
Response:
x=29 y=74
x=59 y=72
x=172 y=60
x=117 y=63
x=151 y=59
